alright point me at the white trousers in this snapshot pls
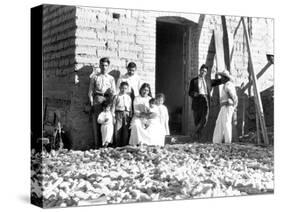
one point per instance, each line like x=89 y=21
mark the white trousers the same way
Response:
x=106 y=133
x=223 y=129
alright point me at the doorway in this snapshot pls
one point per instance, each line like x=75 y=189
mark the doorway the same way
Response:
x=171 y=68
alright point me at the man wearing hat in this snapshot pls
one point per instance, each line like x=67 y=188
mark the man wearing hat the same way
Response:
x=199 y=90
x=228 y=102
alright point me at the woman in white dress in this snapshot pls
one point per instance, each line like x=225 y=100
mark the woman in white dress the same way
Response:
x=139 y=133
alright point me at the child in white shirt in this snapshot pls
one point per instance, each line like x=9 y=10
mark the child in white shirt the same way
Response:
x=164 y=115
x=122 y=110
x=105 y=118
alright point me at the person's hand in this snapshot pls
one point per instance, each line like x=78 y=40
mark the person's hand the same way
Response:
x=230 y=101
x=196 y=94
x=142 y=114
x=92 y=103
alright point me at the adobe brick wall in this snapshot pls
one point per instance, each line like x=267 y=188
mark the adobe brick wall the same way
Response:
x=75 y=38
x=59 y=29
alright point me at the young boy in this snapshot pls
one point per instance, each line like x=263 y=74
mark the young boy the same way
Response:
x=147 y=112
x=164 y=115
x=105 y=118
x=122 y=110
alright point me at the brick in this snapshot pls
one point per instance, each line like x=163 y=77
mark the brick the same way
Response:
x=101 y=17
x=87 y=50
x=123 y=46
x=105 y=36
x=83 y=59
x=86 y=33
x=127 y=54
x=116 y=27
x=106 y=53
x=89 y=42
x=124 y=38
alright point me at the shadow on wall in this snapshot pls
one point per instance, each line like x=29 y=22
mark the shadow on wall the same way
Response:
x=78 y=121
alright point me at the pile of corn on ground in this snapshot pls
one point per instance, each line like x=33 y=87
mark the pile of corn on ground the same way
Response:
x=149 y=173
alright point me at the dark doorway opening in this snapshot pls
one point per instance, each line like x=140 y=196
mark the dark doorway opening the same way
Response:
x=170 y=64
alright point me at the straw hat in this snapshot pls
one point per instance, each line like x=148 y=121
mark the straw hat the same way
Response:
x=226 y=74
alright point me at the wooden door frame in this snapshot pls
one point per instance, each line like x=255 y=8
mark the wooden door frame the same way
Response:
x=186 y=77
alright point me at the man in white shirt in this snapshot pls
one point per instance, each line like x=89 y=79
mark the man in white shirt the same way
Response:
x=132 y=79
x=101 y=88
x=228 y=102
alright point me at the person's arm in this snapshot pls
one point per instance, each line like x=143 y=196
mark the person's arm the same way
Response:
x=91 y=89
x=118 y=84
x=150 y=115
x=232 y=94
x=216 y=82
x=137 y=109
x=113 y=107
x=130 y=106
x=191 y=91
x=167 y=121
x=101 y=118
x=113 y=86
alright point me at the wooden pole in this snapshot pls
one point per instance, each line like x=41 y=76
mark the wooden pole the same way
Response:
x=258 y=129
x=232 y=43
x=258 y=75
x=243 y=111
x=256 y=89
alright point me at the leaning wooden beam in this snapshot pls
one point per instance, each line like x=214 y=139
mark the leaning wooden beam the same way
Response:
x=258 y=75
x=232 y=45
x=256 y=89
x=258 y=129
x=243 y=110
x=220 y=63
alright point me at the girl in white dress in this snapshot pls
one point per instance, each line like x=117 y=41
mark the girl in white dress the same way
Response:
x=164 y=115
x=105 y=118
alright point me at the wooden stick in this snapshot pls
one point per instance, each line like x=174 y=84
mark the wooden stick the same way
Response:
x=258 y=128
x=243 y=110
x=232 y=48
x=256 y=89
x=258 y=76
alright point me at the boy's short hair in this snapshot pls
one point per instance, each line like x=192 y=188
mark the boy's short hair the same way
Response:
x=160 y=95
x=105 y=104
x=131 y=65
x=124 y=83
x=105 y=60
x=152 y=101
x=204 y=66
